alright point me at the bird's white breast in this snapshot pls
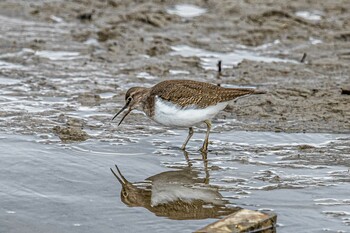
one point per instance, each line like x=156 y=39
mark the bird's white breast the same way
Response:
x=169 y=114
x=164 y=193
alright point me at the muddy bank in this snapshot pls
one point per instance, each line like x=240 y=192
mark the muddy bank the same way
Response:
x=78 y=58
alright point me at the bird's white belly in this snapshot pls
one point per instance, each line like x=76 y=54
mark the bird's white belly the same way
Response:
x=169 y=114
x=165 y=192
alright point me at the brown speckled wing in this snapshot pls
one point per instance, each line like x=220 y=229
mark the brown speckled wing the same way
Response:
x=187 y=92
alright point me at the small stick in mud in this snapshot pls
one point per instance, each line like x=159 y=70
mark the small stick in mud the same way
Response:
x=219 y=67
x=86 y=16
x=345 y=91
x=303 y=58
x=218 y=75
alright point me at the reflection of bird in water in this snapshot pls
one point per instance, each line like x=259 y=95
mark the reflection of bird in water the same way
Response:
x=177 y=195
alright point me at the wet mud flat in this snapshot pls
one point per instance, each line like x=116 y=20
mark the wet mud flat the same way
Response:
x=64 y=70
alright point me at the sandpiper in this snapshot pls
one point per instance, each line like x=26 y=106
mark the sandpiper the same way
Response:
x=178 y=194
x=182 y=103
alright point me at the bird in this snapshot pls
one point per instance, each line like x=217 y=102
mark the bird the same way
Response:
x=182 y=103
x=181 y=194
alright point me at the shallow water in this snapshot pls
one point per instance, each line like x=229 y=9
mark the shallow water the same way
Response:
x=186 y=10
x=209 y=59
x=313 y=15
x=49 y=186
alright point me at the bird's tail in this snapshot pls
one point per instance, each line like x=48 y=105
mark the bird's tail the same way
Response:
x=259 y=92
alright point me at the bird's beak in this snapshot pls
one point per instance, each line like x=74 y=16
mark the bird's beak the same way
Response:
x=121 y=110
x=121 y=179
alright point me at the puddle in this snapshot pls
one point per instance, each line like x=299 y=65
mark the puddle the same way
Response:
x=263 y=46
x=22 y=105
x=315 y=41
x=56 y=19
x=177 y=72
x=8 y=81
x=92 y=41
x=107 y=95
x=58 y=55
x=26 y=52
x=186 y=10
x=309 y=15
x=209 y=59
x=276 y=139
x=8 y=65
x=145 y=75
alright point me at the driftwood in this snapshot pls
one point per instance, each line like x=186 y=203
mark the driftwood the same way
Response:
x=244 y=221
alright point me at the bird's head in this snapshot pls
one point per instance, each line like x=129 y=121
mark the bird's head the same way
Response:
x=134 y=99
x=132 y=195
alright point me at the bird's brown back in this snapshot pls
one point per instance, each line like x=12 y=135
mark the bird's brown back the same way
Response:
x=188 y=92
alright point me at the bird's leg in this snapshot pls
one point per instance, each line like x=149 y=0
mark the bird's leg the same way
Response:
x=206 y=140
x=187 y=159
x=190 y=133
x=205 y=163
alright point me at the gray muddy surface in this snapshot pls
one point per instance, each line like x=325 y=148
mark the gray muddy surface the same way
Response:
x=65 y=67
x=57 y=60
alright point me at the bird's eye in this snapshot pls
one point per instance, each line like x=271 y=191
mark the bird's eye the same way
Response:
x=129 y=99
x=124 y=193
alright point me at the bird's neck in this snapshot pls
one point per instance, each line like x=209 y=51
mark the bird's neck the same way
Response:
x=143 y=94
